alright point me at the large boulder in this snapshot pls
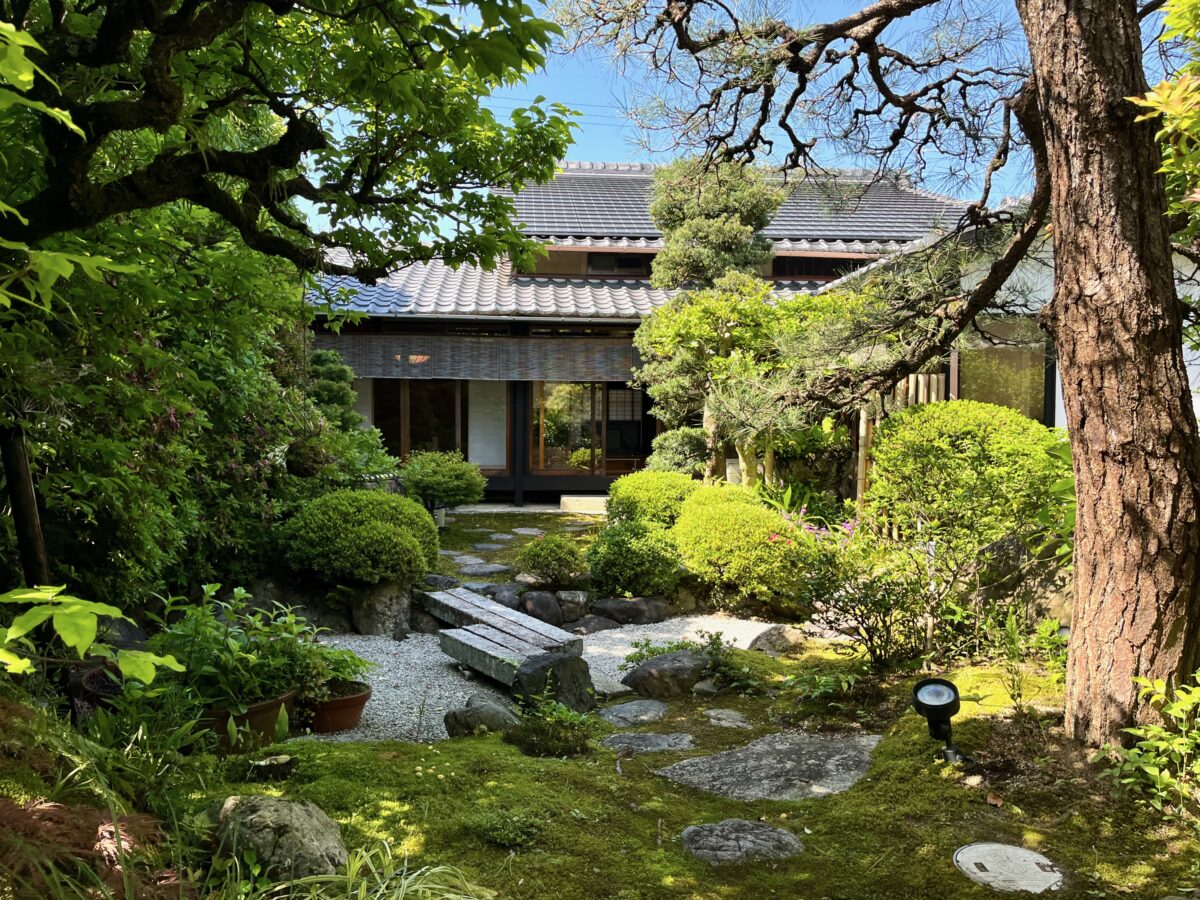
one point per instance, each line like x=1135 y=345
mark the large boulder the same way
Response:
x=566 y=678
x=289 y=839
x=381 y=609
x=780 y=640
x=574 y=604
x=668 y=676
x=590 y=625
x=542 y=605
x=632 y=610
x=507 y=595
x=441 y=582
x=483 y=712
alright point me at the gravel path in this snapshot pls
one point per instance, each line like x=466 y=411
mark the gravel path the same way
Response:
x=416 y=684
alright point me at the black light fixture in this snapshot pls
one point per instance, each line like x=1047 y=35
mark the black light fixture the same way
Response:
x=937 y=700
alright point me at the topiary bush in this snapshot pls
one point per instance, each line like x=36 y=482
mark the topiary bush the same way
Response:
x=361 y=537
x=746 y=556
x=442 y=479
x=682 y=450
x=634 y=559
x=652 y=498
x=553 y=559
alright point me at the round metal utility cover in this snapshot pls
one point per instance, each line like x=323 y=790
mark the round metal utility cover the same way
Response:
x=1006 y=868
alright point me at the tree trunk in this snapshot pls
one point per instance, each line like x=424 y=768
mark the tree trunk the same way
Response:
x=748 y=463
x=1117 y=324
x=714 y=469
x=27 y=521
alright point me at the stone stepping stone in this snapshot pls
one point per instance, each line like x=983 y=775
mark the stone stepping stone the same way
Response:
x=633 y=744
x=449 y=553
x=575 y=529
x=727 y=718
x=499 y=536
x=735 y=841
x=465 y=560
x=608 y=688
x=529 y=532
x=787 y=766
x=479 y=587
x=485 y=547
x=483 y=568
x=1006 y=868
x=635 y=712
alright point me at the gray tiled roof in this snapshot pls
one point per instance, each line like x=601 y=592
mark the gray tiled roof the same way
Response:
x=434 y=290
x=610 y=200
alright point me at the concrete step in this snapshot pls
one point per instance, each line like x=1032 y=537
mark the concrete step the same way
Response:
x=587 y=504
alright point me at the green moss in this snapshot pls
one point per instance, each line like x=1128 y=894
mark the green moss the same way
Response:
x=586 y=828
x=463 y=533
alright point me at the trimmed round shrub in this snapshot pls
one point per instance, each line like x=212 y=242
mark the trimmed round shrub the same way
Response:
x=442 y=479
x=551 y=558
x=652 y=498
x=682 y=450
x=747 y=556
x=631 y=558
x=361 y=536
x=964 y=472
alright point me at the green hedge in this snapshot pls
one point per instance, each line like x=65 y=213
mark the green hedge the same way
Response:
x=442 y=479
x=653 y=498
x=745 y=555
x=553 y=559
x=634 y=559
x=361 y=536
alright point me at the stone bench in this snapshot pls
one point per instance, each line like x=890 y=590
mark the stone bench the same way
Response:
x=490 y=638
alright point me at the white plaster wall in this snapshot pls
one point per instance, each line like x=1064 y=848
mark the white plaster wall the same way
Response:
x=364 y=403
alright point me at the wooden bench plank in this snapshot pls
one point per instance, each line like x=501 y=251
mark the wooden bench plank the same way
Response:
x=481 y=654
x=462 y=608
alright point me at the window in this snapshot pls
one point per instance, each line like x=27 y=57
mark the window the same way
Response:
x=444 y=414
x=1008 y=370
x=621 y=265
x=813 y=266
x=586 y=428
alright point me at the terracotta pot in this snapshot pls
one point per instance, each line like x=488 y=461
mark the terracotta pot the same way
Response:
x=341 y=713
x=258 y=719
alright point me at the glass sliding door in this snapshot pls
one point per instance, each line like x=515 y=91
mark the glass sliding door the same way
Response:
x=623 y=445
x=434 y=420
x=567 y=427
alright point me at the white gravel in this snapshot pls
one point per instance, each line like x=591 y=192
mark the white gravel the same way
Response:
x=416 y=684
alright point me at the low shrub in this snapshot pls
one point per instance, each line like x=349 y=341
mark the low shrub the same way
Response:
x=747 y=556
x=442 y=479
x=507 y=829
x=362 y=537
x=653 y=498
x=682 y=450
x=553 y=559
x=548 y=728
x=632 y=559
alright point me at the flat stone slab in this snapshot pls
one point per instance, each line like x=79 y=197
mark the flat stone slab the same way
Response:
x=449 y=553
x=529 y=532
x=727 y=718
x=635 y=712
x=646 y=742
x=467 y=560
x=483 y=569
x=479 y=587
x=1007 y=869
x=735 y=841
x=487 y=548
x=499 y=536
x=787 y=766
x=610 y=688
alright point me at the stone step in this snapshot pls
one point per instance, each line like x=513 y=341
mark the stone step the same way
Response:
x=481 y=654
x=463 y=608
x=587 y=504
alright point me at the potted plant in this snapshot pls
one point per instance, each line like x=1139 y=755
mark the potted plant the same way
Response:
x=442 y=480
x=244 y=665
x=335 y=699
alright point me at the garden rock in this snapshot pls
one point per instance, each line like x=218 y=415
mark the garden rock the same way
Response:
x=483 y=569
x=528 y=580
x=381 y=609
x=684 y=602
x=272 y=768
x=568 y=678
x=507 y=595
x=529 y=532
x=788 y=766
x=542 y=605
x=708 y=687
x=727 y=718
x=668 y=676
x=590 y=625
x=482 y=713
x=441 y=582
x=1009 y=573
x=646 y=742
x=635 y=712
x=610 y=688
x=467 y=560
x=500 y=536
x=290 y=839
x=479 y=587
x=422 y=622
x=632 y=611
x=780 y=640
x=487 y=548
x=574 y=604
x=734 y=841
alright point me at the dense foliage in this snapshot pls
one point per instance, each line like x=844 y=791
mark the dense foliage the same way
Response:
x=553 y=559
x=442 y=479
x=652 y=498
x=361 y=537
x=682 y=449
x=634 y=559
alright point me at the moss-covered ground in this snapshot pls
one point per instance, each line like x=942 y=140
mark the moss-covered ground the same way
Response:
x=599 y=827
x=467 y=529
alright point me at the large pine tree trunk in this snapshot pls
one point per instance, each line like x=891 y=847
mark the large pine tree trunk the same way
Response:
x=23 y=498
x=1117 y=323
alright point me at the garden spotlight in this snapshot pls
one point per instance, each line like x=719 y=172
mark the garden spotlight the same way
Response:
x=937 y=700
